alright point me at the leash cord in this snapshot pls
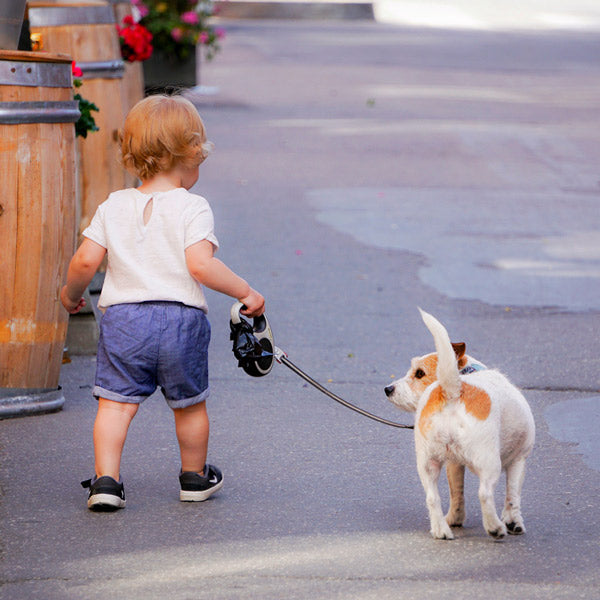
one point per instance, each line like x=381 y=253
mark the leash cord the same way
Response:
x=280 y=357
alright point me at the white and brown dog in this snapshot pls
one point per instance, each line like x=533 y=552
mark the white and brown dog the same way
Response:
x=466 y=415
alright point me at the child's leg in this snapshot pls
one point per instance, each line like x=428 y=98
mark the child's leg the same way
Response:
x=110 y=431
x=192 y=429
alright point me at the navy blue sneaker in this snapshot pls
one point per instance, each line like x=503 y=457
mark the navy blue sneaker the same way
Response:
x=106 y=494
x=197 y=488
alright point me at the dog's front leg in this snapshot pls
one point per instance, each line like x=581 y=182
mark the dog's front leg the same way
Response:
x=429 y=472
x=456 y=482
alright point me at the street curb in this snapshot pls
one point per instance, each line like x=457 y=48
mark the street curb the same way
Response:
x=248 y=9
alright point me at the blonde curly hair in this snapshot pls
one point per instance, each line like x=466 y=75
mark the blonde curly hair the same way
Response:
x=160 y=133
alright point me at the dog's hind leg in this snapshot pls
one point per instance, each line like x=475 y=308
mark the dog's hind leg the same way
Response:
x=488 y=479
x=511 y=515
x=456 y=482
x=429 y=472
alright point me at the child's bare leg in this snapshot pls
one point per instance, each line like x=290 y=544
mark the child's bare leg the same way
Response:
x=192 y=429
x=110 y=430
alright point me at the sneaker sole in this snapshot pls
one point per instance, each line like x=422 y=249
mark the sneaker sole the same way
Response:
x=105 y=502
x=200 y=495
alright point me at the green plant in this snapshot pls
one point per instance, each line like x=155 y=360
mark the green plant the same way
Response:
x=86 y=121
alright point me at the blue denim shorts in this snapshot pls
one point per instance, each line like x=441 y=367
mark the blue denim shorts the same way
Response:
x=149 y=345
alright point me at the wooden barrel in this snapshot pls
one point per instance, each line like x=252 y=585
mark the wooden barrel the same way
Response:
x=37 y=225
x=86 y=31
x=122 y=9
x=133 y=80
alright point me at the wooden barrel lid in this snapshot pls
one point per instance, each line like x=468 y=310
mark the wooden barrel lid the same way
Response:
x=35 y=69
x=26 y=56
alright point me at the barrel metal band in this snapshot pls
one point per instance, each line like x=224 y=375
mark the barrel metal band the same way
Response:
x=17 y=113
x=53 y=16
x=32 y=74
x=103 y=69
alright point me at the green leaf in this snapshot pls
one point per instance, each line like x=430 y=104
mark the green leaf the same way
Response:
x=86 y=121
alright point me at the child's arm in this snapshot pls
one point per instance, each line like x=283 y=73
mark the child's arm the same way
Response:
x=82 y=268
x=216 y=275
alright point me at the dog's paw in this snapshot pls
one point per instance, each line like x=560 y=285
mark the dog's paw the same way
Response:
x=515 y=528
x=442 y=532
x=499 y=532
x=513 y=521
x=455 y=518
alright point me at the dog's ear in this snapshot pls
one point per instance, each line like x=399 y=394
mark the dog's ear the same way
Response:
x=459 y=349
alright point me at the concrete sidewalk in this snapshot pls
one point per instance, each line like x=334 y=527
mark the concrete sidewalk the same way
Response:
x=298 y=10
x=484 y=15
x=489 y=15
x=344 y=152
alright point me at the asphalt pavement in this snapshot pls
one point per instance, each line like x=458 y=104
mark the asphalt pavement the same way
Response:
x=361 y=169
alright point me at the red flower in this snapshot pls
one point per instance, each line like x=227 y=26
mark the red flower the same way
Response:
x=136 y=40
x=75 y=70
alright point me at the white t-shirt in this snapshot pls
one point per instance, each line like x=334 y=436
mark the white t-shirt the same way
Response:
x=147 y=262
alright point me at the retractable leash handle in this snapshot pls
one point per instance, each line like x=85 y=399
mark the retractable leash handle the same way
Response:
x=252 y=343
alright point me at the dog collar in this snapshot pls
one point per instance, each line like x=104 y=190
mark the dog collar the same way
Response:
x=472 y=368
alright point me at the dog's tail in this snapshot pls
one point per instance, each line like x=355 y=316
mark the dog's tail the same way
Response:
x=447 y=367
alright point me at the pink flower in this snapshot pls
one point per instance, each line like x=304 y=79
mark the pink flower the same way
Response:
x=203 y=37
x=176 y=33
x=190 y=17
x=220 y=33
x=139 y=9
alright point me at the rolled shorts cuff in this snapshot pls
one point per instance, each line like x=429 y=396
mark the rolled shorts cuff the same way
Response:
x=185 y=402
x=100 y=392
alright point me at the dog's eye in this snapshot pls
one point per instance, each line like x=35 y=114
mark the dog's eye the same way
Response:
x=419 y=373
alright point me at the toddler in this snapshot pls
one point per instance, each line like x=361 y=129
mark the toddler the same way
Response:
x=160 y=245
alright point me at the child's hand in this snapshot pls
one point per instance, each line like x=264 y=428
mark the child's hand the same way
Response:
x=71 y=306
x=254 y=303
